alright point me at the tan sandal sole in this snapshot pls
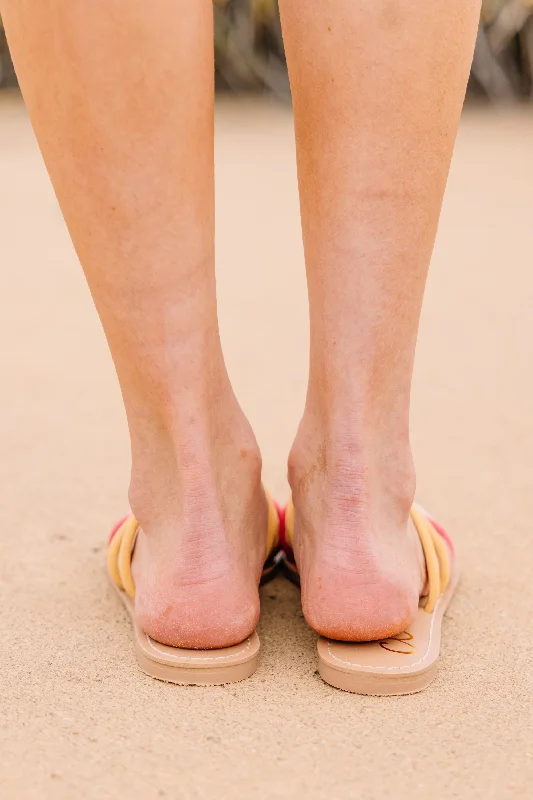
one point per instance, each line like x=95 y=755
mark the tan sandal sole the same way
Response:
x=403 y=664
x=191 y=667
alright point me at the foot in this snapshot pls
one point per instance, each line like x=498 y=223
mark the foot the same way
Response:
x=203 y=522
x=359 y=557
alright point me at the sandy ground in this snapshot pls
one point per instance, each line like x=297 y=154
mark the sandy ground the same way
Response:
x=77 y=718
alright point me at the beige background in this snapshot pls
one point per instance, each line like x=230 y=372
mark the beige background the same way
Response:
x=77 y=719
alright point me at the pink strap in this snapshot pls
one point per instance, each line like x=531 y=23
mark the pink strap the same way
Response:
x=117 y=526
x=443 y=533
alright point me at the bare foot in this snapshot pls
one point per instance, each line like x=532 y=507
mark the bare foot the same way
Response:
x=360 y=560
x=200 y=551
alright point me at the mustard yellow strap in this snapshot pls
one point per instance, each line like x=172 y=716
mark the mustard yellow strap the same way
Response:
x=119 y=555
x=289 y=523
x=437 y=555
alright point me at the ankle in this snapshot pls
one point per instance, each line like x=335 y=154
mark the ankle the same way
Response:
x=371 y=471
x=185 y=472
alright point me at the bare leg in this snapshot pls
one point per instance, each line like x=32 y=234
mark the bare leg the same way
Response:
x=121 y=99
x=378 y=89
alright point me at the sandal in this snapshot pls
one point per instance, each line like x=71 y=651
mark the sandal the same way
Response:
x=175 y=664
x=402 y=664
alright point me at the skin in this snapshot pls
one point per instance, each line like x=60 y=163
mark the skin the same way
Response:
x=121 y=100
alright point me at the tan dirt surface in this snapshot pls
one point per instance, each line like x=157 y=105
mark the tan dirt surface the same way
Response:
x=77 y=718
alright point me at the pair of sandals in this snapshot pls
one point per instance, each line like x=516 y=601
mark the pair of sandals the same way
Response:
x=402 y=664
